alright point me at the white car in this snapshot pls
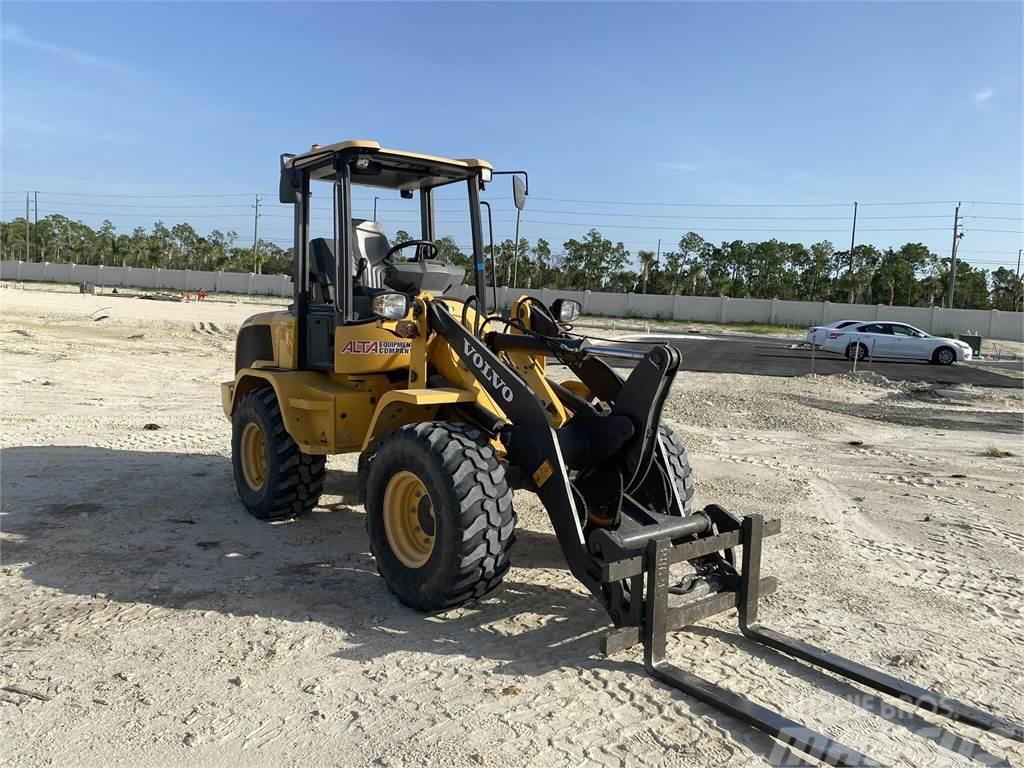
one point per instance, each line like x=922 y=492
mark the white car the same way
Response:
x=884 y=339
x=816 y=333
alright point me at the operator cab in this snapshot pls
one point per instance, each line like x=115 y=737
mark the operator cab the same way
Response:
x=336 y=278
x=376 y=269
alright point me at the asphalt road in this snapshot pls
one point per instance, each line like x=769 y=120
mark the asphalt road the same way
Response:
x=766 y=356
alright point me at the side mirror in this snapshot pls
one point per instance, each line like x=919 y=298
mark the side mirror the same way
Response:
x=566 y=310
x=519 y=192
x=390 y=306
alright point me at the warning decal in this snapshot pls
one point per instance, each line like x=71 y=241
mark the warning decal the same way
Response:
x=543 y=473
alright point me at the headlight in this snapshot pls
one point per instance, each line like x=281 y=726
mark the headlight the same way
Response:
x=390 y=306
x=566 y=310
x=486 y=174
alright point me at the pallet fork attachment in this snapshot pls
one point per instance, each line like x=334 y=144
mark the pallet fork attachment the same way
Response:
x=642 y=529
x=659 y=618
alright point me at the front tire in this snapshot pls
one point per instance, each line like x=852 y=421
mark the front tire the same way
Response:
x=679 y=467
x=439 y=515
x=274 y=478
x=944 y=356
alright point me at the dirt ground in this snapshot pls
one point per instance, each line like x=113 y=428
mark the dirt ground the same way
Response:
x=158 y=624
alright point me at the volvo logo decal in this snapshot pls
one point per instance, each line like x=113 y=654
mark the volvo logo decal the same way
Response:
x=491 y=375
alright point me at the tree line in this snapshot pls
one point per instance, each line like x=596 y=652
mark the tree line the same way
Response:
x=910 y=275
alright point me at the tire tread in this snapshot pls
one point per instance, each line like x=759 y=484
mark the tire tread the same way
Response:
x=296 y=479
x=485 y=517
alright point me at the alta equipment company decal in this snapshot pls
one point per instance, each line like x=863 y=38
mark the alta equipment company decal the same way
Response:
x=365 y=347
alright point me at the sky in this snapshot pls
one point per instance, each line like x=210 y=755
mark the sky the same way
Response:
x=619 y=111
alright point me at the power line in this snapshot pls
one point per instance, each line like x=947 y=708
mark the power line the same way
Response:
x=731 y=218
x=151 y=205
x=409 y=212
x=693 y=205
x=106 y=194
x=708 y=229
x=369 y=199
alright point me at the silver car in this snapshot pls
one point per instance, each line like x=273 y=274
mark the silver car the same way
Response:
x=887 y=339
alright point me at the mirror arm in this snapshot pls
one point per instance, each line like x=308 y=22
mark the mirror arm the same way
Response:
x=524 y=174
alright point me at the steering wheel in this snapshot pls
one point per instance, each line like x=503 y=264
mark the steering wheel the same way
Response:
x=422 y=248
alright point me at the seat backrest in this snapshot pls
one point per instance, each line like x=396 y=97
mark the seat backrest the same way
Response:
x=321 y=270
x=369 y=249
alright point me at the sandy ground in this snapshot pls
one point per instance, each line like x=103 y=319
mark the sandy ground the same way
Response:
x=164 y=626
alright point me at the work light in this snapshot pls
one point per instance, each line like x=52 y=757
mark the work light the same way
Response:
x=390 y=306
x=566 y=310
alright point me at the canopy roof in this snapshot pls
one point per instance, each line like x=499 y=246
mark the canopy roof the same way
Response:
x=389 y=168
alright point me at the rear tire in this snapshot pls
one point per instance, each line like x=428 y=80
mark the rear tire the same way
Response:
x=439 y=515
x=857 y=349
x=274 y=478
x=944 y=356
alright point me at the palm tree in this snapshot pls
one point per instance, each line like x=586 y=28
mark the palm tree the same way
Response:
x=935 y=282
x=646 y=267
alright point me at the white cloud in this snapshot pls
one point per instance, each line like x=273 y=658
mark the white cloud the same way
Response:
x=678 y=166
x=15 y=35
x=983 y=98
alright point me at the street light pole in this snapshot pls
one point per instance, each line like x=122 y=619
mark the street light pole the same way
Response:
x=375 y=199
x=255 y=238
x=853 y=239
x=657 y=267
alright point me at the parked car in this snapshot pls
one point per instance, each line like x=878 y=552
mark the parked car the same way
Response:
x=881 y=339
x=816 y=333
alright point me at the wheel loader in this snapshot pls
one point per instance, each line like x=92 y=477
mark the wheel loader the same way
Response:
x=450 y=405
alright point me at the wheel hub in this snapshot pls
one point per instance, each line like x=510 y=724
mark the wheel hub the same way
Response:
x=254 y=456
x=409 y=520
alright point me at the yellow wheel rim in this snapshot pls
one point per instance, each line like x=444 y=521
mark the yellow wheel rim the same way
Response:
x=254 y=456
x=409 y=521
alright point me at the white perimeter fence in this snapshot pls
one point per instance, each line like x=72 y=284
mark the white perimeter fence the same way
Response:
x=167 y=279
x=992 y=324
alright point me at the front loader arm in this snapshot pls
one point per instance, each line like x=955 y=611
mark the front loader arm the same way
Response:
x=610 y=453
x=530 y=441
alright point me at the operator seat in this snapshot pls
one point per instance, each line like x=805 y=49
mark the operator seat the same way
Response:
x=369 y=249
x=321 y=270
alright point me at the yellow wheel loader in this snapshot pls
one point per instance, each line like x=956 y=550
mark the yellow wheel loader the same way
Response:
x=450 y=407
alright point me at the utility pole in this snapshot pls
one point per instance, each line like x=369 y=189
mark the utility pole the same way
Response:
x=35 y=224
x=1019 y=292
x=952 y=258
x=28 y=253
x=853 y=239
x=255 y=238
x=375 y=198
